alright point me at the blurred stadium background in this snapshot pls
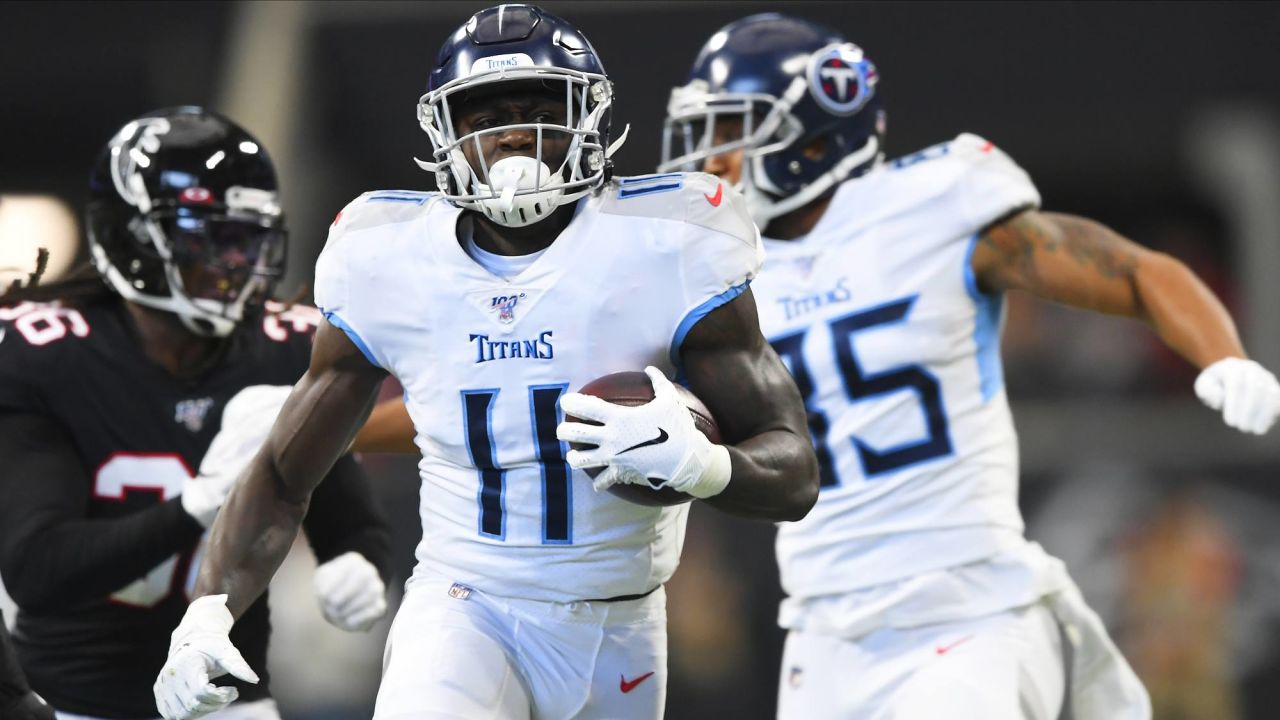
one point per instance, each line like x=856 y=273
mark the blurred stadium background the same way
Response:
x=1161 y=119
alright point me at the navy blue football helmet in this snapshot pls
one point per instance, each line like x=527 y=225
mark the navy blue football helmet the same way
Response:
x=184 y=216
x=514 y=47
x=791 y=83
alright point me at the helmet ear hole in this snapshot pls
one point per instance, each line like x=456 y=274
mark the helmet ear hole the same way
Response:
x=138 y=235
x=816 y=150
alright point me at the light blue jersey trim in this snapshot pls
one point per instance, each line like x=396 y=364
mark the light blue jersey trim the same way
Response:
x=342 y=325
x=412 y=196
x=627 y=193
x=697 y=314
x=986 y=328
x=640 y=179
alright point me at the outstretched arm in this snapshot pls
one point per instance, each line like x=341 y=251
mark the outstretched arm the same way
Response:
x=259 y=521
x=735 y=372
x=1079 y=262
x=261 y=517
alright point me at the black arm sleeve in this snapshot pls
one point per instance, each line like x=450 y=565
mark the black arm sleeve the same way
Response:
x=17 y=702
x=345 y=516
x=51 y=555
x=13 y=684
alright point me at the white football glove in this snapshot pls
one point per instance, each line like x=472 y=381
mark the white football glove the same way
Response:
x=351 y=593
x=1246 y=393
x=655 y=440
x=199 y=651
x=246 y=421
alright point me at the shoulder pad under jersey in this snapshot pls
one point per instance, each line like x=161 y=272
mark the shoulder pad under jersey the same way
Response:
x=984 y=183
x=381 y=207
x=695 y=198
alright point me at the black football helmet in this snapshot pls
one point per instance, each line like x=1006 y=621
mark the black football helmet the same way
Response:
x=789 y=83
x=512 y=47
x=184 y=216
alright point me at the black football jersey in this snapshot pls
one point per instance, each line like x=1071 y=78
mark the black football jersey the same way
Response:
x=12 y=684
x=138 y=433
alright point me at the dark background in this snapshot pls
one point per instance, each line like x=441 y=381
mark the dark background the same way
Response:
x=1090 y=97
x=1153 y=503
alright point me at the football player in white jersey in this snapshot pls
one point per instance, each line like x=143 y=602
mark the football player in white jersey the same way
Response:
x=911 y=590
x=530 y=273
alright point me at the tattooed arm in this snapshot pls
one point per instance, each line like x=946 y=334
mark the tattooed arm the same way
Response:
x=1079 y=262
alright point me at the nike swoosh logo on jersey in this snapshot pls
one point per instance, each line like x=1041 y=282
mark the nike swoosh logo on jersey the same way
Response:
x=627 y=686
x=944 y=649
x=715 y=199
x=662 y=437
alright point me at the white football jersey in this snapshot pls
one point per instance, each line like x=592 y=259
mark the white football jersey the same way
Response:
x=484 y=361
x=896 y=352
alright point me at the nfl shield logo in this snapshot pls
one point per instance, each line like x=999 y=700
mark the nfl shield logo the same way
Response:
x=190 y=413
x=505 y=306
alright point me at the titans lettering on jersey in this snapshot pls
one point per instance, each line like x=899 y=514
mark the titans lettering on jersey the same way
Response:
x=139 y=434
x=805 y=303
x=539 y=348
x=895 y=350
x=484 y=361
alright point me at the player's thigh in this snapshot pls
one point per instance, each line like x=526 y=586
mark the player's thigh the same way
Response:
x=630 y=677
x=1006 y=667
x=448 y=659
x=824 y=677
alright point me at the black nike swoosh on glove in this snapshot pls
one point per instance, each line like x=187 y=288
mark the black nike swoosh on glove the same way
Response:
x=662 y=437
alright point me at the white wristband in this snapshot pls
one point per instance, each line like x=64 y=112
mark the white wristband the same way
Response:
x=205 y=614
x=715 y=478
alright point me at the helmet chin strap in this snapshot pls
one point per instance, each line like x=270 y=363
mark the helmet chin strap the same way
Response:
x=205 y=327
x=213 y=321
x=616 y=145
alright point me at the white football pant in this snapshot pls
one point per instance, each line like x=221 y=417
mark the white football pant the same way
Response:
x=1007 y=666
x=457 y=652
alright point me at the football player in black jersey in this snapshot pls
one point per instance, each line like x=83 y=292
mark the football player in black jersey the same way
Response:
x=112 y=396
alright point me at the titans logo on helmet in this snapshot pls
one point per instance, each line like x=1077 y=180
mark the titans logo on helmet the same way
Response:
x=841 y=79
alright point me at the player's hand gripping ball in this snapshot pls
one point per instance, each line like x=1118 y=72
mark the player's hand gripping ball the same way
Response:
x=633 y=389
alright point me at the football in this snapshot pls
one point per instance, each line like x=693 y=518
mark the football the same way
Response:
x=633 y=388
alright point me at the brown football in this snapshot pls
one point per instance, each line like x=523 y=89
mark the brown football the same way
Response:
x=633 y=388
